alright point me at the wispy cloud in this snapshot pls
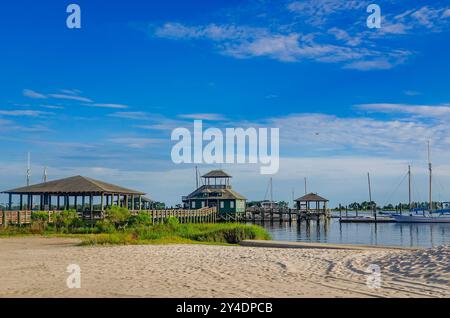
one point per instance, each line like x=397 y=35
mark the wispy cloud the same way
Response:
x=131 y=115
x=32 y=94
x=204 y=116
x=428 y=111
x=71 y=97
x=318 y=12
x=411 y=93
x=20 y=112
x=135 y=142
x=118 y=106
x=309 y=33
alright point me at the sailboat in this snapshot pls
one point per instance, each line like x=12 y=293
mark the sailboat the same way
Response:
x=424 y=216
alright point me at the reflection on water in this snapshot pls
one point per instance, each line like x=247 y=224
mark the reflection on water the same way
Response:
x=332 y=231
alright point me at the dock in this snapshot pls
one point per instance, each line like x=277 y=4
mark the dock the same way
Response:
x=366 y=219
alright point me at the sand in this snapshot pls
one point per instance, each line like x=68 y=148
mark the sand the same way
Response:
x=36 y=267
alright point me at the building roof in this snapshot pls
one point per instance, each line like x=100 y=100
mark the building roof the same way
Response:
x=215 y=193
x=216 y=174
x=313 y=197
x=76 y=184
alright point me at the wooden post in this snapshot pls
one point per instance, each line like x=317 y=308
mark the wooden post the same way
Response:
x=91 y=208
x=9 y=201
x=4 y=223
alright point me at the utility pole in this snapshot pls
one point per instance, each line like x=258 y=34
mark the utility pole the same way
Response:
x=293 y=198
x=44 y=178
x=28 y=169
x=431 y=178
x=305 y=186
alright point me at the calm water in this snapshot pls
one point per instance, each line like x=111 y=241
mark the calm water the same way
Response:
x=392 y=234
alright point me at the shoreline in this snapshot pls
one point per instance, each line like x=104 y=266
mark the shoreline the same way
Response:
x=36 y=267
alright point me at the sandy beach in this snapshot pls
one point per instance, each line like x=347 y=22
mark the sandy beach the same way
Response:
x=36 y=267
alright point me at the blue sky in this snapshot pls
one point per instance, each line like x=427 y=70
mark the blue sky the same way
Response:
x=102 y=101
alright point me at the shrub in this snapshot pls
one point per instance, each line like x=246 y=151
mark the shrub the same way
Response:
x=142 y=218
x=119 y=216
x=67 y=219
x=105 y=226
x=39 y=221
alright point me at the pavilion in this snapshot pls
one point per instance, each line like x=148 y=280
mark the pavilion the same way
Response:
x=216 y=191
x=80 y=193
x=304 y=203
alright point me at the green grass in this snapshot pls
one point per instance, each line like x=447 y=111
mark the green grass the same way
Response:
x=170 y=232
x=221 y=233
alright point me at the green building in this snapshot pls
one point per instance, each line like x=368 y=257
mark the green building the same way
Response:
x=216 y=191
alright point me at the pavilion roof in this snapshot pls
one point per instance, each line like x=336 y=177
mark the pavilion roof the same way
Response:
x=312 y=197
x=76 y=184
x=213 y=193
x=216 y=174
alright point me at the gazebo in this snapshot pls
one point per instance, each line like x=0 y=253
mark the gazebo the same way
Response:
x=216 y=191
x=80 y=193
x=304 y=203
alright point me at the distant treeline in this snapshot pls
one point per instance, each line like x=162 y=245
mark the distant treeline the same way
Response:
x=365 y=205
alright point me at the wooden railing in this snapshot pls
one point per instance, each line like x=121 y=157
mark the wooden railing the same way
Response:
x=204 y=215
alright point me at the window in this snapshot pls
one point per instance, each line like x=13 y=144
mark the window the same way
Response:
x=203 y=204
x=232 y=204
x=222 y=204
x=193 y=204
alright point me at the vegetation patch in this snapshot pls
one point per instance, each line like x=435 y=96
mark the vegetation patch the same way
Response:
x=120 y=227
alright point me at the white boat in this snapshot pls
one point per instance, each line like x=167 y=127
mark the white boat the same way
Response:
x=429 y=216
x=417 y=218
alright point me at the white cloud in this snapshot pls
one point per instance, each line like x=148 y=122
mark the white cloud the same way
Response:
x=446 y=13
x=71 y=97
x=131 y=115
x=248 y=42
x=429 y=111
x=368 y=65
x=30 y=113
x=118 y=106
x=135 y=142
x=32 y=94
x=411 y=93
x=203 y=116
x=317 y=12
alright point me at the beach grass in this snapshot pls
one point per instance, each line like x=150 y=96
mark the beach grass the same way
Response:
x=119 y=228
x=219 y=233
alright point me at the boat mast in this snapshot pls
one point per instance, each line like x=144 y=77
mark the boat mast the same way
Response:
x=271 y=194
x=370 y=190
x=431 y=178
x=409 y=187
x=196 y=177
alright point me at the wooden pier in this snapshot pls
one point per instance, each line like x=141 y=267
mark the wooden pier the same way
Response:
x=204 y=215
x=257 y=214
